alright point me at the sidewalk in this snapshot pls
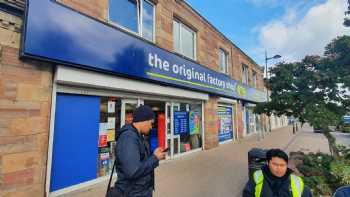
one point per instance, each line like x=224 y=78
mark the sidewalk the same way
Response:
x=220 y=172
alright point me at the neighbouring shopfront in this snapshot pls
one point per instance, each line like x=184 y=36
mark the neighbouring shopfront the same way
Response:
x=226 y=122
x=253 y=123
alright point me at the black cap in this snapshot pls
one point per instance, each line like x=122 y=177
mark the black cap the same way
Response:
x=143 y=113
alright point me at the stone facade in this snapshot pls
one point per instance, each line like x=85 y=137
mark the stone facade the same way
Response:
x=25 y=103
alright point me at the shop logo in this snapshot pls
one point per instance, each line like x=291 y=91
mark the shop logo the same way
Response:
x=241 y=91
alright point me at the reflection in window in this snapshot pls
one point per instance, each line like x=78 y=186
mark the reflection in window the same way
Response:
x=184 y=40
x=127 y=13
x=147 y=20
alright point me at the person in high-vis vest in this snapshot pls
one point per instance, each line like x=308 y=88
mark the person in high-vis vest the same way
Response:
x=275 y=179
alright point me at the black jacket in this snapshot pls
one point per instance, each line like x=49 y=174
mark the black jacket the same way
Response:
x=135 y=164
x=273 y=186
x=342 y=192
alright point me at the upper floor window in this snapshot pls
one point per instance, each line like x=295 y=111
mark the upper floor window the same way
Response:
x=136 y=16
x=223 y=61
x=245 y=74
x=254 y=79
x=184 y=40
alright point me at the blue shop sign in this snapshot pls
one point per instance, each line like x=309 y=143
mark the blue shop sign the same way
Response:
x=180 y=122
x=56 y=33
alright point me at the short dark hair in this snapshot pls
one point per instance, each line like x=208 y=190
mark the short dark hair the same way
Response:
x=275 y=152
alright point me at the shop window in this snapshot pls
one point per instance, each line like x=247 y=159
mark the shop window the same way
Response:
x=225 y=123
x=188 y=127
x=245 y=74
x=136 y=16
x=110 y=110
x=184 y=40
x=223 y=61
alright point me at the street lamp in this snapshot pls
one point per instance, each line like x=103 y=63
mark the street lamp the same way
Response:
x=266 y=75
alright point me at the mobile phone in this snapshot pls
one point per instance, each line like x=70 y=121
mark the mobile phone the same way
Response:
x=165 y=150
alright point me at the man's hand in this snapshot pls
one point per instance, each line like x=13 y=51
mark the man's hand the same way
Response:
x=159 y=153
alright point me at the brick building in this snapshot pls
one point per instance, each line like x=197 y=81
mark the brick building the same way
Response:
x=71 y=72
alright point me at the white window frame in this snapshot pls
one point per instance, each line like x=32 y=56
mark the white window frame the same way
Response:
x=139 y=4
x=223 y=70
x=245 y=74
x=254 y=78
x=182 y=25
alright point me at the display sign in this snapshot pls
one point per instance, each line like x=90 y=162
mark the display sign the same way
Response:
x=56 y=33
x=194 y=122
x=225 y=123
x=180 y=122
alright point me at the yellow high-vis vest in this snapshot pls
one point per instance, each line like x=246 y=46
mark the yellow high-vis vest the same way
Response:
x=296 y=182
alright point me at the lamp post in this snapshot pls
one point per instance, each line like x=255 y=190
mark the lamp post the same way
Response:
x=266 y=75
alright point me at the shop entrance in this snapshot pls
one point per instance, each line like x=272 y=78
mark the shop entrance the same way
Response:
x=157 y=135
x=128 y=106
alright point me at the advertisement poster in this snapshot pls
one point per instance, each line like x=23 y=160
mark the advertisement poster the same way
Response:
x=111 y=122
x=111 y=135
x=225 y=123
x=194 y=122
x=180 y=122
x=111 y=107
x=102 y=142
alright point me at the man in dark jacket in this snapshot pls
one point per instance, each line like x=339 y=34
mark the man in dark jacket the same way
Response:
x=275 y=179
x=135 y=163
x=342 y=192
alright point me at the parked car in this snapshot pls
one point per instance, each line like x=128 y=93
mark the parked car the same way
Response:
x=317 y=130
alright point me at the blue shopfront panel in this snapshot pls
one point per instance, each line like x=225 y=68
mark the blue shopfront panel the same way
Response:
x=75 y=145
x=56 y=33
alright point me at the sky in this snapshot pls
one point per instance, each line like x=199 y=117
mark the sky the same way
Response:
x=290 y=28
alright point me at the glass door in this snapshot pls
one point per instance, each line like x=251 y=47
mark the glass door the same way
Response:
x=128 y=106
x=175 y=137
x=168 y=128
x=172 y=141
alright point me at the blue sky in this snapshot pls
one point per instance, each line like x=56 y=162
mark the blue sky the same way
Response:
x=291 y=28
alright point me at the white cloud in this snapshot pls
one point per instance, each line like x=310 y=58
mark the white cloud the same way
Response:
x=269 y=3
x=294 y=37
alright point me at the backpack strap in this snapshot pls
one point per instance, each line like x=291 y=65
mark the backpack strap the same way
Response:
x=110 y=178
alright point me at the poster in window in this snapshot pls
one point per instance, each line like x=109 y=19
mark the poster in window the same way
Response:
x=194 y=122
x=180 y=122
x=225 y=123
x=111 y=106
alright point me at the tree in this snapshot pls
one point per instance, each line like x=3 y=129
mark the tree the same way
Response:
x=314 y=89
x=347 y=20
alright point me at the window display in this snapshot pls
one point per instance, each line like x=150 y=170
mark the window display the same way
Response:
x=225 y=123
x=188 y=125
x=110 y=109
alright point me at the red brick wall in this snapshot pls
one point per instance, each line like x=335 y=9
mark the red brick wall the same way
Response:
x=94 y=8
x=25 y=102
x=211 y=119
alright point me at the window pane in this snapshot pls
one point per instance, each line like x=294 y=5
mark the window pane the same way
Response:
x=254 y=79
x=148 y=21
x=223 y=61
x=245 y=74
x=187 y=41
x=124 y=13
x=176 y=32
